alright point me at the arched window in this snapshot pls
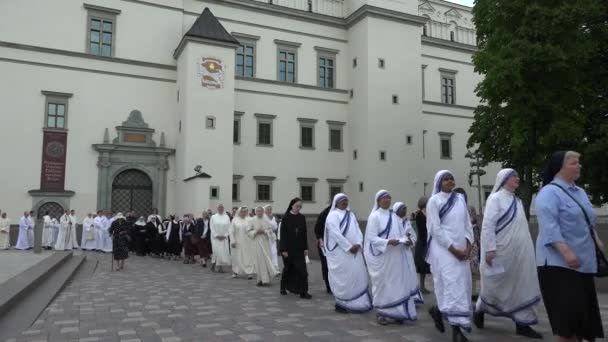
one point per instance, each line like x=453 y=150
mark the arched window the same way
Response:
x=54 y=209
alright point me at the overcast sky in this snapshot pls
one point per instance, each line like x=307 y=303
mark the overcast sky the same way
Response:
x=463 y=2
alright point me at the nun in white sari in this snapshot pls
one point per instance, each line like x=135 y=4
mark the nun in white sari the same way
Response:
x=449 y=246
x=509 y=279
x=347 y=274
x=400 y=210
x=393 y=290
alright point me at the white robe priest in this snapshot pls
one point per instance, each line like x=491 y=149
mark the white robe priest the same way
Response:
x=105 y=240
x=89 y=235
x=25 y=225
x=5 y=230
x=450 y=231
x=30 y=233
x=509 y=286
x=74 y=221
x=220 y=231
x=241 y=244
x=347 y=273
x=65 y=242
x=47 y=232
x=260 y=232
x=393 y=290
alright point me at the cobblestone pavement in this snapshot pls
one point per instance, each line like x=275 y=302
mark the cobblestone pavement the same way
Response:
x=167 y=301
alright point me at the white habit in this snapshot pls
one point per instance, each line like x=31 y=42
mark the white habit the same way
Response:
x=89 y=235
x=74 y=221
x=448 y=223
x=23 y=241
x=5 y=230
x=220 y=227
x=509 y=287
x=386 y=265
x=273 y=242
x=65 y=242
x=242 y=254
x=259 y=231
x=47 y=232
x=347 y=273
x=105 y=240
x=410 y=234
x=30 y=233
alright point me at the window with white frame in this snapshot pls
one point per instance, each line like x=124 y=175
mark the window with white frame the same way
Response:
x=445 y=141
x=236 y=128
x=264 y=129
x=326 y=58
x=236 y=187
x=307 y=133
x=336 y=186
x=245 y=55
x=448 y=86
x=336 y=135
x=56 y=109
x=307 y=189
x=287 y=61
x=101 y=30
x=263 y=188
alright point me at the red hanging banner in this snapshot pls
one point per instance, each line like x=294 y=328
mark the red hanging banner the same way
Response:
x=52 y=175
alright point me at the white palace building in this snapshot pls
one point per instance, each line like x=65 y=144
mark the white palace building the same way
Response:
x=184 y=104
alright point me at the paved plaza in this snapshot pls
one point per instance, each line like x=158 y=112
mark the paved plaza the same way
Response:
x=160 y=300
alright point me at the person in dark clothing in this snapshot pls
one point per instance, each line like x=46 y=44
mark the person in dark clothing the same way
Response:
x=187 y=231
x=202 y=238
x=131 y=219
x=119 y=231
x=174 y=238
x=319 y=233
x=294 y=249
x=141 y=236
x=422 y=268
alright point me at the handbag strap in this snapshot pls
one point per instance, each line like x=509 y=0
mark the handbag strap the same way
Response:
x=582 y=209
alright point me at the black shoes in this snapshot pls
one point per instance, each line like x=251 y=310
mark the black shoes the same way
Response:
x=527 y=331
x=478 y=319
x=340 y=309
x=305 y=296
x=457 y=335
x=283 y=292
x=436 y=316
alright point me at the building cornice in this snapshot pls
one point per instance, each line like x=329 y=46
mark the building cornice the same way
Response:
x=451 y=4
x=383 y=13
x=186 y=39
x=448 y=105
x=85 y=55
x=296 y=85
x=286 y=12
x=101 y=9
x=442 y=43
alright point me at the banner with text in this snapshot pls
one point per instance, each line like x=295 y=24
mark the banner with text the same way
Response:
x=54 y=145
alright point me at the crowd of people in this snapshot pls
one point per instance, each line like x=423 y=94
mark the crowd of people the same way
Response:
x=376 y=270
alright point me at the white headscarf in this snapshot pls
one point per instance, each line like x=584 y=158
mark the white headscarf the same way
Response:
x=119 y=216
x=379 y=194
x=141 y=221
x=398 y=206
x=502 y=177
x=337 y=199
x=438 y=179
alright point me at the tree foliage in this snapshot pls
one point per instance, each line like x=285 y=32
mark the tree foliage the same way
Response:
x=545 y=87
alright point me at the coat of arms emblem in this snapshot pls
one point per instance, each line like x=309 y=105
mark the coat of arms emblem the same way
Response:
x=212 y=72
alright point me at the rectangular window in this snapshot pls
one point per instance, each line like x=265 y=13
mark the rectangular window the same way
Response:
x=395 y=99
x=264 y=133
x=56 y=110
x=264 y=127
x=334 y=190
x=264 y=191
x=335 y=139
x=383 y=155
x=354 y=62
x=408 y=139
x=306 y=193
x=445 y=140
x=354 y=154
x=360 y=186
x=381 y=63
x=101 y=30
x=236 y=131
x=448 y=89
x=210 y=122
x=245 y=60
x=307 y=133
x=327 y=71
x=235 y=191
x=352 y=93
x=287 y=66
x=263 y=188
x=307 y=137
x=307 y=189
x=214 y=192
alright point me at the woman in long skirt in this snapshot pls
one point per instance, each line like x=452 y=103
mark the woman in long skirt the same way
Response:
x=202 y=238
x=422 y=267
x=174 y=238
x=119 y=231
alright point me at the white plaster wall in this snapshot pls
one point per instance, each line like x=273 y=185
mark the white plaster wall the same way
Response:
x=405 y=6
x=97 y=103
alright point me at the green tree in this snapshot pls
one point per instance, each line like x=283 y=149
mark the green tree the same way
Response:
x=544 y=87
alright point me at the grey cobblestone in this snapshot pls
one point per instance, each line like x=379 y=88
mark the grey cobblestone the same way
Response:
x=158 y=300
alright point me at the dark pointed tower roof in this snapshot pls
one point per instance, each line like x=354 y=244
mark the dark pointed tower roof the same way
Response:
x=208 y=27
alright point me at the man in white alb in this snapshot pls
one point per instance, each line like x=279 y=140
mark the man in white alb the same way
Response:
x=220 y=231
